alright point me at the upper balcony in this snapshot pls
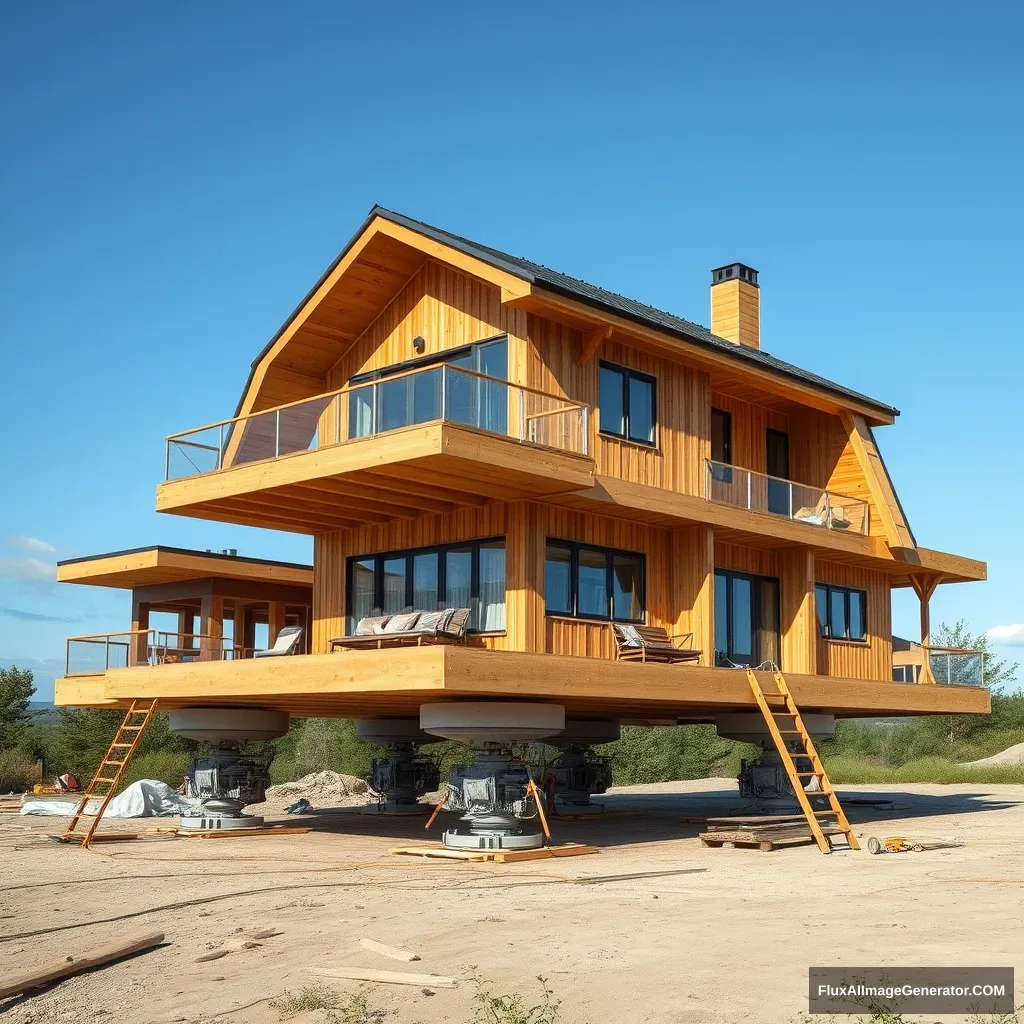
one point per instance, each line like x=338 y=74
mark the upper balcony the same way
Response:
x=759 y=492
x=425 y=440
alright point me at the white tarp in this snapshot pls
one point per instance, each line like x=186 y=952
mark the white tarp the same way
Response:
x=146 y=798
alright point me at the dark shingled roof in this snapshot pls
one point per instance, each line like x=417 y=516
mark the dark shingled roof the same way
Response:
x=599 y=298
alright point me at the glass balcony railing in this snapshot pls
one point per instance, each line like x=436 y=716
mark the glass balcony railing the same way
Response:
x=957 y=666
x=94 y=655
x=758 y=492
x=438 y=393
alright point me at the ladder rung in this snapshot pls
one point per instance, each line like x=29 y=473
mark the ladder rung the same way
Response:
x=103 y=780
x=809 y=774
x=817 y=813
x=112 y=745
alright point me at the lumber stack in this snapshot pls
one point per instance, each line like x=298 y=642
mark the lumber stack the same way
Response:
x=766 y=831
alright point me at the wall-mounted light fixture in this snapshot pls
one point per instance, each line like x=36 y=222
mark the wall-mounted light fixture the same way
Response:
x=419 y=343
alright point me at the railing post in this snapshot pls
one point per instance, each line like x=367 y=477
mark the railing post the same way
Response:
x=585 y=413
x=790 y=499
x=750 y=507
x=373 y=411
x=277 y=434
x=828 y=510
x=522 y=414
x=444 y=392
x=220 y=449
x=337 y=419
x=167 y=461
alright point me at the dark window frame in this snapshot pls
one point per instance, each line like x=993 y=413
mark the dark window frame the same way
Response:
x=574 y=548
x=422 y=362
x=626 y=373
x=825 y=628
x=727 y=440
x=757 y=625
x=380 y=557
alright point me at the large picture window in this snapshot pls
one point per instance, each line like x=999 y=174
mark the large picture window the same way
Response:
x=627 y=404
x=468 y=575
x=842 y=612
x=589 y=582
x=388 y=401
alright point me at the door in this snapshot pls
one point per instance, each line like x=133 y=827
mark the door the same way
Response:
x=746 y=619
x=777 y=463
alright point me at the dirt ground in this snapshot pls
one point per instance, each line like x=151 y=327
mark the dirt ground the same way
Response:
x=695 y=935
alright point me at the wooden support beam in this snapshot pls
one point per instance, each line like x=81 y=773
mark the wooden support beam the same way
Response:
x=797 y=612
x=138 y=653
x=924 y=587
x=275 y=621
x=211 y=617
x=592 y=341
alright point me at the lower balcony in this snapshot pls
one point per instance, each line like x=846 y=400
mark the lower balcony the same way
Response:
x=394 y=682
x=422 y=441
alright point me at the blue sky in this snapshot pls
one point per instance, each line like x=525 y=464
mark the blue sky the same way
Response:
x=175 y=177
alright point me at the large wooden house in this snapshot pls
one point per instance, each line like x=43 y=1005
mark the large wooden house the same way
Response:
x=457 y=427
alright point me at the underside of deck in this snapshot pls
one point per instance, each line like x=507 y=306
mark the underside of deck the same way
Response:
x=395 y=682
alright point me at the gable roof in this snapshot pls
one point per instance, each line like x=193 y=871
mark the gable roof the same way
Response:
x=589 y=294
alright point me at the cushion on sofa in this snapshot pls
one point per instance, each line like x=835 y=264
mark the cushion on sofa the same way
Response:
x=370 y=624
x=434 y=622
x=404 y=623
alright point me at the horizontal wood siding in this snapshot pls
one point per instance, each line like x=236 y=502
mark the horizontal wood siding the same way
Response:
x=871 y=660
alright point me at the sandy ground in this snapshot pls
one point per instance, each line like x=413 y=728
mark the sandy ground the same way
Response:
x=697 y=935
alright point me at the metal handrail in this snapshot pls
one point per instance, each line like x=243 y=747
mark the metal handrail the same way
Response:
x=348 y=388
x=524 y=430
x=949 y=653
x=157 y=646
x=831 y=498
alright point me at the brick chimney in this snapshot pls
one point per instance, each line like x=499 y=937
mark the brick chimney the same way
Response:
x=736 y=304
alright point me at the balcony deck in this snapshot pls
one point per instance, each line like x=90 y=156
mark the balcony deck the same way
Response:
x=425 y=441
x=394 y=682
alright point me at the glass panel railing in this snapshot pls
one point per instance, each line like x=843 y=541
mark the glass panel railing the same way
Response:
x=956 y=666
x=94 y=655
x=436 y=393
x=758 y=492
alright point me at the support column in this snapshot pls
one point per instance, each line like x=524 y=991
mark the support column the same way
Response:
x=245 y=628
x=796 y=612
x=138 y=651
x=211 y=626
x=186 y=623
x=693 y=587
x=924 y=587
x=275 y=621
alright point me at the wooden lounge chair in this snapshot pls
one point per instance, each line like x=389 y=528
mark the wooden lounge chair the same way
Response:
x=415 y=628
x=652 y=643
x=287 y=643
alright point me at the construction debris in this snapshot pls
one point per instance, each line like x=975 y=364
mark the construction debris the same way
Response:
x=73 y=965
x=900 y=844
x=385 y=977
x=763 y=831
x=389 y=951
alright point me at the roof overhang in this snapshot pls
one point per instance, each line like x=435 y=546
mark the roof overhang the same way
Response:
x=142 y=567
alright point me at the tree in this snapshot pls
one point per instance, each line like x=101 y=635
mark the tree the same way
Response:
x=16 y=691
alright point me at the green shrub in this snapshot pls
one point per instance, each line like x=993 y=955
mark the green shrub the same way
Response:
x=164 y=765
x=852 y=770
x=17 y=773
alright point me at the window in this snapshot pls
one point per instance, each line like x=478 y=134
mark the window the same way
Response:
x=746 y=618
x=385 y=404
x=626 y=399
x=721 y=436
x=593 y=583
x=842 y=613
x=469 y=575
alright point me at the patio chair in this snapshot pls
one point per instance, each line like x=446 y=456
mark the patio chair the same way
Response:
x=287 y=643
x=652 y=643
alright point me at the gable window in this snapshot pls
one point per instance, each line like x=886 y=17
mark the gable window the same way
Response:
x=842 y=612
x=468 y=575
x=626 y=399
x=588 y=582
x=414 y=392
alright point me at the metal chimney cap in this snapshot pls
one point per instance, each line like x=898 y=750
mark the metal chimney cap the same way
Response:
x=734 y=272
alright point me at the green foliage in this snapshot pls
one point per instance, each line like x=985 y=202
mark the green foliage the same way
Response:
x=17 y=772
x=959 y=636
x=513 y=1008
x=16 y=691
x=843 y=768
x=644 y=755
x=353 y=1009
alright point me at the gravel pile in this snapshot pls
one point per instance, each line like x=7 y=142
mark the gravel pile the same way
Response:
x=321 y=789
x=1010 y=756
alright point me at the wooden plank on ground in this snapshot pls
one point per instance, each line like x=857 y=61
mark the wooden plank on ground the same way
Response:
x=394 y=952
x=27 y=980
x=385 y=977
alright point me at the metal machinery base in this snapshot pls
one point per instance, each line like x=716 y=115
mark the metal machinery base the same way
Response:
x=402 y=776
x=577 y=772
x=492 y=792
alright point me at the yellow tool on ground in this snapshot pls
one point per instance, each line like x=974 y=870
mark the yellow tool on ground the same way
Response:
x=900 y=844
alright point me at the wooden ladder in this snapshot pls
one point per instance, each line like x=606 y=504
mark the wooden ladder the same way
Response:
x=110 y=772
x=793 y=729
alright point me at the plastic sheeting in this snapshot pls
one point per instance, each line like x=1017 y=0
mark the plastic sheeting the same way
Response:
x=147 y=798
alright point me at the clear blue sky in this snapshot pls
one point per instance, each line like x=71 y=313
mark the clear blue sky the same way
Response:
x=175 y=177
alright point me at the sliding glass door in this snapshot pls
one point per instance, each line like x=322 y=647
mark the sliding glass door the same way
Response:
x=746 y=619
